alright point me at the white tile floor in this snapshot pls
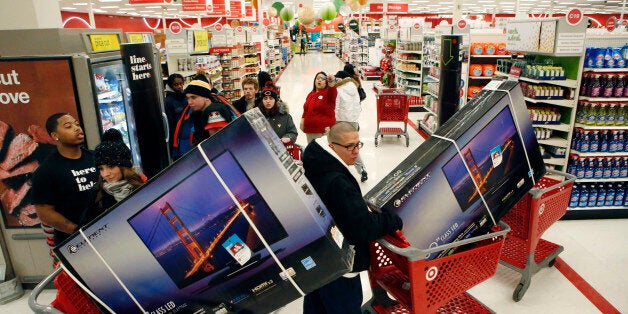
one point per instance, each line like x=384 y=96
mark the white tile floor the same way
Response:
x=596 y=249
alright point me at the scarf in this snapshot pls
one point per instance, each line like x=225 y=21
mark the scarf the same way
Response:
x=119 y=190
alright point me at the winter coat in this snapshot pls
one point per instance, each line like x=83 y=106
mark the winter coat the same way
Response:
x=341 y=194
x=240 y=104
x=283 y=124
x=348 y=101
x=319 y=110
x=174 y=107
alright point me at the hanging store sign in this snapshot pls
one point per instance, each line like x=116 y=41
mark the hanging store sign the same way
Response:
x=200 y=41
x=193 y=5
x=145 y=1
x=574 y=16
x=175 y=27
x=104 y=42
x=391 y=8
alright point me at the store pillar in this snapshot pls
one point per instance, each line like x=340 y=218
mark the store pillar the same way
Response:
x=450 y=67
x=29 y=14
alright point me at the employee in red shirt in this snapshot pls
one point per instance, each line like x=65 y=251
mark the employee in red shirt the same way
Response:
x=319 y=110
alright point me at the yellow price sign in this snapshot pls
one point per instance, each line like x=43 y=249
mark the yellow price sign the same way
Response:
x=135 y=38
x=104 y=42
x=200 y=41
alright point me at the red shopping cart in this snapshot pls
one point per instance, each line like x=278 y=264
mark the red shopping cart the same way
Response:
x=294 y=150
x=431 y=286
x=392 y=106
x=71 y=299
x=524 y=250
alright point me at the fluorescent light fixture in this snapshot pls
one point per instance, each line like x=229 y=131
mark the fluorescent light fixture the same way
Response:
x=172 y=9
x=153 y=7
x=68 y=8
x=126 y=9
x=79 y=3
x=109 y=7
x=146 y=11
x=109 y=0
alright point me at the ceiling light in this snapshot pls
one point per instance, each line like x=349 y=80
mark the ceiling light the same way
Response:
x=68 y=8
x=153 y=7
x=80 y=3
x=109 y=7
x=110 y=0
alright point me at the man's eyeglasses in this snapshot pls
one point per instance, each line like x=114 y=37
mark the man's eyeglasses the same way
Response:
x=350 y=147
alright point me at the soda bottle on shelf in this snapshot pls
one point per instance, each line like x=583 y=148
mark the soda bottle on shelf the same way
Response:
x=592 y=196
x=610 y=195
x=606 y=168
x=611 y=114
x=618 y=91
x=601 y=115
x=601 y=195
x=603 y=141
x=619 y=195
x=575 y=196
x=595 y=87
x=609 y=86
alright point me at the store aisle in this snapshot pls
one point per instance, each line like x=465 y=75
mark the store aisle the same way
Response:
x=595 y=249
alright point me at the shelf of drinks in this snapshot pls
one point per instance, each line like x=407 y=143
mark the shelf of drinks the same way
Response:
x=555 y=161
x=410 y=61
x=599 y=154
x=409 y=71
x=603 y=98
x=605 y=70
x=598 y=208
x=430 y=93
x=563 y=83
x=600 y=127
x=555 y=141
x=602 y=180
x=558 y=127
x=569 y=103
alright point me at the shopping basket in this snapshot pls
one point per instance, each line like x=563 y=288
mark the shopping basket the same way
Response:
x=71 y=299
x=294 y=150
x=432 y=286
x=392 y=106
x=524 y=250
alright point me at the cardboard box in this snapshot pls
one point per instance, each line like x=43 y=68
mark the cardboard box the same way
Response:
x=433 y=189
x=182 y=244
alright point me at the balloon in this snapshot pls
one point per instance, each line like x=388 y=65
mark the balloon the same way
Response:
x=277 y=5
x=338 y=4
x=307 y=15
x=344 y=10
x=286 y=14
x=362 y=2
x=272 y=12
x=328 y=12
x=353 y=4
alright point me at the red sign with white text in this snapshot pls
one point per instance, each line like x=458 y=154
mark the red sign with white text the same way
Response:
x=175 y=27
x=574 y=16
x=610 y=24
x=392 y=7
x=193 y=5
x=462 y=24
x=220 y=50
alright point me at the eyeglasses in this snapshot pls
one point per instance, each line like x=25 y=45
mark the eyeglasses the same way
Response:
x=350 y=147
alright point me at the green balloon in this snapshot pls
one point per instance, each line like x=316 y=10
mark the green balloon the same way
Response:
x=328 y=12
x=277 y=5
x=286 y=14
x=338 y=4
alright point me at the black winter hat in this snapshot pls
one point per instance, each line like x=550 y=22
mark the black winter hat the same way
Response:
x=198 y=87
x=342 y=74
x=270 y=90
x=112 y=151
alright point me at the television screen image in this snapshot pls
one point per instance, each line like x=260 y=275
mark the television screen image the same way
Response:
x=196 y=231
x=495 y=158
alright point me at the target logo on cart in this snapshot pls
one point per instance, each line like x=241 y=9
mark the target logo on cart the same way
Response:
x=541 y=209
x=431 y=273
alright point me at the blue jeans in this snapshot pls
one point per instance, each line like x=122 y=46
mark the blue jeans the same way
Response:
x=341 y=296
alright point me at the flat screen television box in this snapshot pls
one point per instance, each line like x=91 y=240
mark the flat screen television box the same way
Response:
x=188 y=240
x=446 y=192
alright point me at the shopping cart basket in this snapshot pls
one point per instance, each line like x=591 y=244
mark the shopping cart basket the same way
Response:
x=294 y=150
x=432 y=286
x=524 y=250
x=71 y=299
x=392 y=106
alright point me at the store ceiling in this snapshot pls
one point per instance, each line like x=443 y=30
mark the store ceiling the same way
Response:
x=122 y=7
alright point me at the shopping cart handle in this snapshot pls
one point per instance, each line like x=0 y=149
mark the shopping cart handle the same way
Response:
x=397 y=239
x=32 y=299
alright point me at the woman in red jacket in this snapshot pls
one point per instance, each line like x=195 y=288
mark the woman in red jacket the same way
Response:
x=319 y=108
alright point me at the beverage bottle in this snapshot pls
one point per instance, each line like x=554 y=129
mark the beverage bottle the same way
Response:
x=580 y=168
x=619 y=195
x=609 y=86
x=606 y=168
x=610 y=195
x=589 y=167
x=584 y=87
x=592 y=196
x=601 y=195
x=575 y=196
x=611 y=114
x=594 y=143
x=595 y=87
x=584 y=196
x=585 y=142
x=615 y=167
x=620 y=119
x=599 y=168
x=601 y=115
x=618 y=91
x=623 y=170
x=591 y=114
x=604 y=141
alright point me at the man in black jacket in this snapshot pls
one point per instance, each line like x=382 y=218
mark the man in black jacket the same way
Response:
x=326 y=162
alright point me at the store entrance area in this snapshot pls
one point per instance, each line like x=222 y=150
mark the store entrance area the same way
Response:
x=595 y=250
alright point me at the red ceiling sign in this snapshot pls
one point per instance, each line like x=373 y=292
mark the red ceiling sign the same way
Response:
x=145 y=1
x=610 y=24
x=236 y=10
x=462 y=24
x=574 y=16
x=392 y=7
x=218 y=27
x=219 y=50
x=193 y=5
x=175 y=27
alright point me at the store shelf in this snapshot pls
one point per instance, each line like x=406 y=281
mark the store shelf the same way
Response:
x=599 y=127
x=596 y=180
x=425 y=128
x=430 y=93
x=603 y=98
x=410 y=78
x=418 y=52
x=558 y=127
x=599 y=154
x=432 y=79
x=491 y=56
x=569 y=103
x=605 y=70
x=555 y=161
x=408 y=71
x=563 y=83
x=598 y=208
x=480 y=77
x=555 y=141
x=410 y=61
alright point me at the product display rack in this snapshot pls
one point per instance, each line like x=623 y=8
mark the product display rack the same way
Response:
x=355 y=50
x=408 y=62
x=600 y=39
x=431 y=81
x=484 y=51
x=328 y=41
x=232 y=60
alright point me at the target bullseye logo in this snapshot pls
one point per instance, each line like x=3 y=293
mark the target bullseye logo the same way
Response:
x=431 y=273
